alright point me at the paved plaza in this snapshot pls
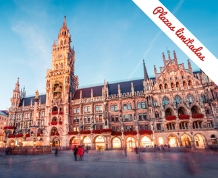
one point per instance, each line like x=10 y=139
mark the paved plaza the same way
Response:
x=111 y=164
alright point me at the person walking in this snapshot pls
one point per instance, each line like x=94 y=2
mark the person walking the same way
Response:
x=56 y=151
x=125 y=151
x=80 y=152
x=75 y=150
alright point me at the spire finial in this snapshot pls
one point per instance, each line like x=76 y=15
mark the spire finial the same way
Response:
x=65 y=23
x=168 y=51
x=145 y=71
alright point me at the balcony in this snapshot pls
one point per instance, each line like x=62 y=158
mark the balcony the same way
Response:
x=54 y=112
x=9 y=127
x=145 y=132
x=171 y=117
x=183 y=116
x=116 y=133
x=130 y=132
x=73 y=133
x=85 y=132
x=197 y=116
x=53 y=123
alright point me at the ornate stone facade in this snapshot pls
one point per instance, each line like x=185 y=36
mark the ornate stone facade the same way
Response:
x=178 y=107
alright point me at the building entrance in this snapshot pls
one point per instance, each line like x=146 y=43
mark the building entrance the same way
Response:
x=87 y=141
x=55 y=142
x=130 y=143
x=99 y=143
x=186 y=141
x=199 y=141
x=146 y=142
x=116 y=143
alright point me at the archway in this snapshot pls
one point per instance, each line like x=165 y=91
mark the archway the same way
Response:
x=186 y=141
x=213 y=139
x=181 y=111
x=56 y=142
x=199 y=141
x=99 y=143
x=160 y=140
x=87 y=141
x=168 y=112
x=173 y=141
x=130 y=143
x=195 y=110
x=146 y=142
x=74 y=141
x=116 y=142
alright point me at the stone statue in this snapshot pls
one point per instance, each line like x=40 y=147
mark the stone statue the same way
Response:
x=37 y=94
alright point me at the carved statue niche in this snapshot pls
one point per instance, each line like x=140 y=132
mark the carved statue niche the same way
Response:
x=57 y=89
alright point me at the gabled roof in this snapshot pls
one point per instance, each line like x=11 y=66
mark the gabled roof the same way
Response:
x=27 y=100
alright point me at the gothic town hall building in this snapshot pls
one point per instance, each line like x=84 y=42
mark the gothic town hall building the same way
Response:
x=177 y=107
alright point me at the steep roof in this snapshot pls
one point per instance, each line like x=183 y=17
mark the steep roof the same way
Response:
x=112 y=88
x=27 y=100
x=3 y=113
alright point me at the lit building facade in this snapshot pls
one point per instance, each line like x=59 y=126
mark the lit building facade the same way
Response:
x=177 y=107
x=3 y=120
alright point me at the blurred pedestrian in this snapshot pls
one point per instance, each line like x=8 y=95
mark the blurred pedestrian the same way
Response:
x=80 y=152
x=125 y=151
x=75 y=150
x=56 y=151
x=136 y=150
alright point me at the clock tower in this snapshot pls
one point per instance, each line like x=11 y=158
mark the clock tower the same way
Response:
x=61 y=84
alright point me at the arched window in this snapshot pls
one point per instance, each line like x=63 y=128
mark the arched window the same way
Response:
x=161 y=86
x=165 y=86
x=156 y=114
x=190 y=98
x=181 y=111
x=54 y=119
x=55 y=108
x=177 y=99
x=189 y=83
x=165 y=101
x=168 y=112
x=184 y=84
x=194 y=110
x=177 y=84
x=172 y=85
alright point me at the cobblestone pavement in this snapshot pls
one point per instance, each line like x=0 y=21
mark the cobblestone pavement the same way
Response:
x=111 y=164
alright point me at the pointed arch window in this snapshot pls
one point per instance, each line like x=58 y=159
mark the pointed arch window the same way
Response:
x=165 y=101
x=177 y=99
x=190 y=98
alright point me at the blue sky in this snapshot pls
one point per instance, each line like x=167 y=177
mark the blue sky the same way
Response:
x=110 y=37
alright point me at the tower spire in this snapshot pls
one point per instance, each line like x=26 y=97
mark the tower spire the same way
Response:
x=17 y=86
x=145 y=71
x=65 y=23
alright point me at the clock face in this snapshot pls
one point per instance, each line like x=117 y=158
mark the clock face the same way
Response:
x=59 y=55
